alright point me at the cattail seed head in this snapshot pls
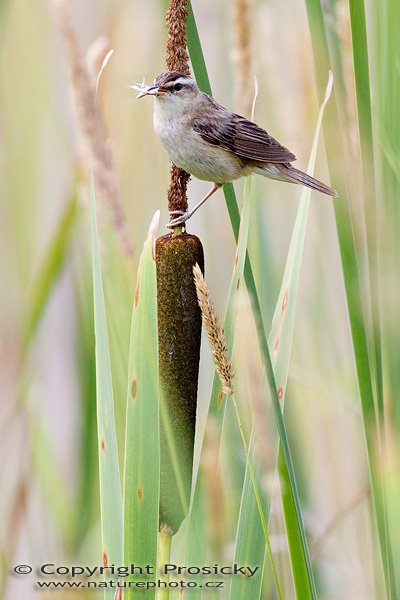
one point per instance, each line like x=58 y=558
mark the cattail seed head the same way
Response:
x=179 y=337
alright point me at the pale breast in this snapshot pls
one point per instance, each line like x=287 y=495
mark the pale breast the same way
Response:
x=187 y=150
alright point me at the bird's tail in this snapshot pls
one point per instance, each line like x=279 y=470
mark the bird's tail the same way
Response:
x=297 y=176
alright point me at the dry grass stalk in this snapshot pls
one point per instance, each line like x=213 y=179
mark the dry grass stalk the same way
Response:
x=242 y=56
x=177 y=59
x=95 y=146
x=215 y=333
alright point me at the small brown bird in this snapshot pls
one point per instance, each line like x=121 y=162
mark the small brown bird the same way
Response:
x=211 y=143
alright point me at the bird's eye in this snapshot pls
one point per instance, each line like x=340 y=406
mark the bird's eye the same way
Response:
x=178 y=87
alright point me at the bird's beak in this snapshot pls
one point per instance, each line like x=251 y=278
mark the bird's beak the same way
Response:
x=155 y=90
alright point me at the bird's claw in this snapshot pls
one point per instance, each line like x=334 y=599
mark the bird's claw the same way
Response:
x=180 y=219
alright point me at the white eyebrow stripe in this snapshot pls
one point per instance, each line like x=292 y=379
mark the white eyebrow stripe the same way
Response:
x=182 y=80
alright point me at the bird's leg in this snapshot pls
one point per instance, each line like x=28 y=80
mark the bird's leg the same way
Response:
x=185 y=216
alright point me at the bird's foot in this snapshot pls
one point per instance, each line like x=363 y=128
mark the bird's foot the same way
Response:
x=180 y=219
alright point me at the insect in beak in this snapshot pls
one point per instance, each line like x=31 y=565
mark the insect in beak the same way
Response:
x=148 y=91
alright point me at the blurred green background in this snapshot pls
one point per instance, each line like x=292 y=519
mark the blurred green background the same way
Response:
x=49 y=503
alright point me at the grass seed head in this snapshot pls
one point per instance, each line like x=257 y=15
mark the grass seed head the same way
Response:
x=215 y=333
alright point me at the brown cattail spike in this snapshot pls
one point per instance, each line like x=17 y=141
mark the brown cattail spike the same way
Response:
x=179 y=336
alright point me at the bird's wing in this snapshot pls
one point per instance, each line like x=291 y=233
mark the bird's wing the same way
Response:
x=243 y=137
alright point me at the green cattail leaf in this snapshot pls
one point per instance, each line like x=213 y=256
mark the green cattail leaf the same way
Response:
x=281 y=335
x=88 y=499
x=142 y=451
x=365 y=127
x=199 y=70
x=110 y=483
x=250 y=542
x=196 y=52
x=364 y=112
x=179 y=334
x=364 y=333
x=250 y=546
x=384 y=46
x=280 y=344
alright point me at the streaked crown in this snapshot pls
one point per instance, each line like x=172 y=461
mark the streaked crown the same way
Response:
x=174 y=81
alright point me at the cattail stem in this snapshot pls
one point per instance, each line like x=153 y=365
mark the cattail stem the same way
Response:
x=165 y=558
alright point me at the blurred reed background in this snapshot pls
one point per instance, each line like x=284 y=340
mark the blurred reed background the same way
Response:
x=341 y=410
